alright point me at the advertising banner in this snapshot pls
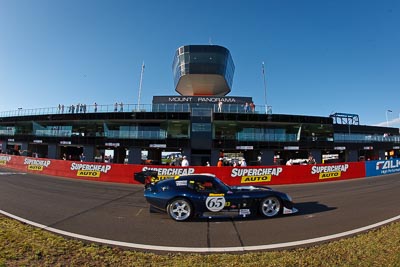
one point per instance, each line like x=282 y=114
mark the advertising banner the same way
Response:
x=295 y=174
x=263 y=175
x=381 y=167
x=4 y=160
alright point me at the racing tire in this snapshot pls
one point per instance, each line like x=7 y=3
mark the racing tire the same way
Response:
x=270 y=206
x=180 y=209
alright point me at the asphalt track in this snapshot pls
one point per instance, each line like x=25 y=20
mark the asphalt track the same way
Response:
x=117 y=214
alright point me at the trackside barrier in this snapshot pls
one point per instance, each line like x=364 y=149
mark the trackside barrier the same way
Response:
x=382 y=167
x=124 y=173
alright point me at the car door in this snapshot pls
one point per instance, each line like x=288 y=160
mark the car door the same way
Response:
x=207 y=195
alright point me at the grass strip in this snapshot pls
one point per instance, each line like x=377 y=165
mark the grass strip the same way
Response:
x=24 y=245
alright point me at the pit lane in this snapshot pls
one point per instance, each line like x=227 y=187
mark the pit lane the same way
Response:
x=117 y=214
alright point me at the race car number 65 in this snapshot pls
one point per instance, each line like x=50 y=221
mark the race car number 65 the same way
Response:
x=215 y=203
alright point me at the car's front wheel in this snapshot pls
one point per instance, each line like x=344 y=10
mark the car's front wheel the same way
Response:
x=270 y=206
x=180 y=209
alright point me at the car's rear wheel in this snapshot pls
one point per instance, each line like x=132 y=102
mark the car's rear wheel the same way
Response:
x=180 y=209
x=270 y=206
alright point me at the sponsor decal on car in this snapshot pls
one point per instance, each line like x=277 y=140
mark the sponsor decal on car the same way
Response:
x=256 y=175
x=4 y=160
x=36 y=164
x=329 y=172
x=181 y=183
x=215 y=202
x=244 y=212
x=289 y=211
x=89 y=170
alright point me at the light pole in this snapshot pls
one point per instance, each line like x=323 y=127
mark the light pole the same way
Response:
x=265 y=89
x=140 y=87
x=387 y=120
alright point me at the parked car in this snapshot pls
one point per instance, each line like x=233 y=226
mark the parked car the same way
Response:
x=204 y=195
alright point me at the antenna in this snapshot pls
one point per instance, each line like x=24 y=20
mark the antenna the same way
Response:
x=140 y=86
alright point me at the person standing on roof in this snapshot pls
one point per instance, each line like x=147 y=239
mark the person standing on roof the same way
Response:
x=246 y=107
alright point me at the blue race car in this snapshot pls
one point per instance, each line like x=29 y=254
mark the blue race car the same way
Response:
x=204 y=195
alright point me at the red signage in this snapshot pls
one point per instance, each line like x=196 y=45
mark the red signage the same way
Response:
x=124 y=173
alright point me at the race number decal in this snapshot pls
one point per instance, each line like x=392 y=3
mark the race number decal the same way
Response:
x=215 y=203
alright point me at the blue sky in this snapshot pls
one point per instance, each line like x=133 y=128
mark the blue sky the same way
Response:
x=320 y=56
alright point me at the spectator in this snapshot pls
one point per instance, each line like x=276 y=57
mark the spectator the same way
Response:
x=95 y=107
x=243 y=163
x=252 y=107
x=115 y=107
x=177 y=161
x=220 y=106
x=219 y=164
x=121 y=107
x=185 y=162
x=246 y=107
x=311 y=160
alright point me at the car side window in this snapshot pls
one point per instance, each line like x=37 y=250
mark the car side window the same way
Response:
x=205 y=187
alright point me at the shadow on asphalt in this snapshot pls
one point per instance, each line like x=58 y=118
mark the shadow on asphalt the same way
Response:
x=305 y=208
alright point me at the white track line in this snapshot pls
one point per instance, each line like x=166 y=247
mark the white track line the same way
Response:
x=202 y=249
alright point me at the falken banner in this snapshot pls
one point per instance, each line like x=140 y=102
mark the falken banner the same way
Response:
x=382 y=167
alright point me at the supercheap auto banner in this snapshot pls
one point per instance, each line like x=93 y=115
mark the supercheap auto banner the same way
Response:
x=271 y=175
x=274 y=175
x=124 y=173
x=381 y=167
x=70 y=169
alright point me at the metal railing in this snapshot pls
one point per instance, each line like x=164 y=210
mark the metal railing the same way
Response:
x=365 y=138
x=118 y=107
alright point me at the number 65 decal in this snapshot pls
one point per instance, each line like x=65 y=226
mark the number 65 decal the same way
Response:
x=215 y=203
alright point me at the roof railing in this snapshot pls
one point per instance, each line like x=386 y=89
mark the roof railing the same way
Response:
x=121 y=107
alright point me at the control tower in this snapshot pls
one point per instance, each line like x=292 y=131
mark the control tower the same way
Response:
x=203 y=70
